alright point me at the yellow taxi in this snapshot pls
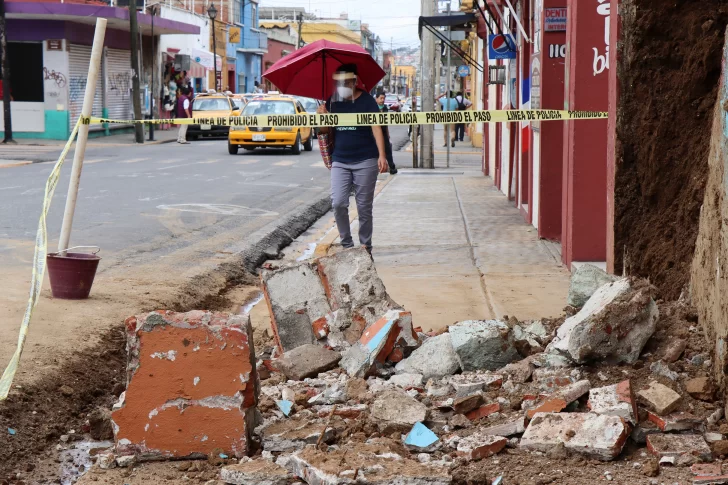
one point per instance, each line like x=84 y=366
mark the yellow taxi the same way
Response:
x=211 y=105
x=250 y=138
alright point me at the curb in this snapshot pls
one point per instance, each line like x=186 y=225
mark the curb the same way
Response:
x=254 y=250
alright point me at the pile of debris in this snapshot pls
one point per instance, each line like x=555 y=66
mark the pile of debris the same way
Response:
x=350 y=392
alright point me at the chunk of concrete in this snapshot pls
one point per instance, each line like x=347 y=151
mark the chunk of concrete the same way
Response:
x=307 y=360
x=613 y=326
x=676 y=445
x=398 y=410
x=258 y=472
x=473 y=382
x=659 y=398
x=479 y=445
x=511 y=428
x=435 y=358
x=393 y=330
x=407 y=380
x=614 y=400
x=483 y=344
x=676 y=421
x=288 y=435
x=377 y=464
x=351 y=281
x=296 y=298
x=701 y=388
x=585 y=281
x=558 y=401
x=192 y=386
x=597 y=436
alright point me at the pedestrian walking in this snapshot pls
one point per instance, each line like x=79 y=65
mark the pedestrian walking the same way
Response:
x=463 y=104
x=183 y=107
x=359 y=155
x=385 y=131
x=448 y=103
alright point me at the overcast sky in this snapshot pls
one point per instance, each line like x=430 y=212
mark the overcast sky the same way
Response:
x=392 y=20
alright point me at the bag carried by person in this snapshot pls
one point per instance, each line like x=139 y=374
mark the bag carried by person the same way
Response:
x=326 y=145
x=461 y=103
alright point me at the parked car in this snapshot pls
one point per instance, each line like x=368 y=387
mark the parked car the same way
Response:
x=392 y=101
x=310 y=105
x=211 y=105
x=250 y=138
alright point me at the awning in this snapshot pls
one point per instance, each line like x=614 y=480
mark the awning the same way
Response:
x=456 y=21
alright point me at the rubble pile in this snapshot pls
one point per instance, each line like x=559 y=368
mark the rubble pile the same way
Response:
x=351 y=392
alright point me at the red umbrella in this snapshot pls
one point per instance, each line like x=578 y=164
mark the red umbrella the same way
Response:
x=308 y=71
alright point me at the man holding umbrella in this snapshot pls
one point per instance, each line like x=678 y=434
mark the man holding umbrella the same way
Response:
x=359 y=156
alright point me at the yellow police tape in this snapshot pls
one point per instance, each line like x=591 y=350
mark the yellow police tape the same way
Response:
x=283 y=121
x=39 y=265
x=371 y=119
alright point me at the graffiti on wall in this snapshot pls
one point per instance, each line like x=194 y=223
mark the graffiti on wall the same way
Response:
x=120 y=82
x=76 y=88
x=57 y=77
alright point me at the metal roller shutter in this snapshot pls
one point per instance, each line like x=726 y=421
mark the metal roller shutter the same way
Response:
x=79 y=59
x=118 y=84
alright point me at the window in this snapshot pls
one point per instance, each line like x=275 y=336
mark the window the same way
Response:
x=254 y=17
x=237 y=11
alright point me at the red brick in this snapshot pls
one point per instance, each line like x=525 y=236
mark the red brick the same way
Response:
x=193 y=385
x=700 y=388
x=676 y=445
x=478 y=446
x=551 y=405
x=675 y=421
x=396 y=356
x=710 y=480
x=320 y=328
x=466 y=404
x=483 y=411
x=706 y=469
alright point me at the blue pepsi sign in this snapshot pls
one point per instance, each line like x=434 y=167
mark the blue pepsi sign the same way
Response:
x=501 y=46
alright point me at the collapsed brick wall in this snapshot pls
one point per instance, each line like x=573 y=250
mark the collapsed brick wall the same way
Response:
x=669 y=67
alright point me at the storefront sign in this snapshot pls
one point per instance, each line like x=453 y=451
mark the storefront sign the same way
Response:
x=557 y=51
x=555 y=19
x=234 y=35
x=463 y=71
x=601 y=61
x=55 y=44
x=501 y=47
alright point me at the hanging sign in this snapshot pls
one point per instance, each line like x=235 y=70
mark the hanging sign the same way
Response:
x=501 y=47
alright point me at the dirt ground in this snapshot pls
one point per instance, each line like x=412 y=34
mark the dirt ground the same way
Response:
x=670 y=63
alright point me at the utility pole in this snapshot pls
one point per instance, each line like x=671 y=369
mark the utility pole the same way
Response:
x=428 y=92
x=6 y=77
x=135 y=90
x=450 y=127
x=152 y=92
x=300 y=29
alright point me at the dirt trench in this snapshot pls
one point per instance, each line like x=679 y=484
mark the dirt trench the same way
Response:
x=669 y=68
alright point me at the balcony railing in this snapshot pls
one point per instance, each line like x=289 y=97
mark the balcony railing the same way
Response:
x=255 y=40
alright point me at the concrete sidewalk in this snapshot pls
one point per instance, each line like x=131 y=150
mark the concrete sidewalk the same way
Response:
x=450 y=247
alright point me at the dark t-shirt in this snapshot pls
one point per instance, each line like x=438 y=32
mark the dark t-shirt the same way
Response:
x=353 y=144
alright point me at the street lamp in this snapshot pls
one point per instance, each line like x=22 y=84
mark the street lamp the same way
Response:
x=212 y=13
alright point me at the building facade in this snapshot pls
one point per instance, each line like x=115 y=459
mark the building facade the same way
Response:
x=249 y=49
x=49 y=51
x=282 y=40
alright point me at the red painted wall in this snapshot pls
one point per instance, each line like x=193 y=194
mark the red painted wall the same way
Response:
x=615 y=26
x=584 y=203
x=553 y=67
x=275 y=52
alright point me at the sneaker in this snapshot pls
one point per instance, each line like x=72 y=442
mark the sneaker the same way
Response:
x=393 y=171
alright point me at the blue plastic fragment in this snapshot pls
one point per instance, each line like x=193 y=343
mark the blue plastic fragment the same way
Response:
x=420 y=436
x=11 y=431
x=223 y=456
x=285 y=406
x=498 y=481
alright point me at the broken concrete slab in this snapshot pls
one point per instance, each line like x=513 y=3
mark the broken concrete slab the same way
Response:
x=676 y=445
x=613 y=326
x=614 y=400
x=307 y=360
x=407 y=380
x=585 y=281
x=351 y=281
x=288 y=435
x=659 y=398
x=258 y=472
x=676 y=421
x=192 y=386
x=397 y=410
x=519 y=372
x=365 y=464
x=435 y=358
x=296 y=298
x=518 y=426
x=479 y=445
x=701 y=388
x=483 y=344
x=393 y=330
x=597 y=436
x=473 y=382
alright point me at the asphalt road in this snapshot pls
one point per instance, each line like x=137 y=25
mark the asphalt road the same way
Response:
x=154 y=198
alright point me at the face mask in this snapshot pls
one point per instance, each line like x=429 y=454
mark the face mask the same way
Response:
x=380 y=106
x=345 y=92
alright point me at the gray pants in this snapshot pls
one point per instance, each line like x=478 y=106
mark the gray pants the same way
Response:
x=363 y=176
